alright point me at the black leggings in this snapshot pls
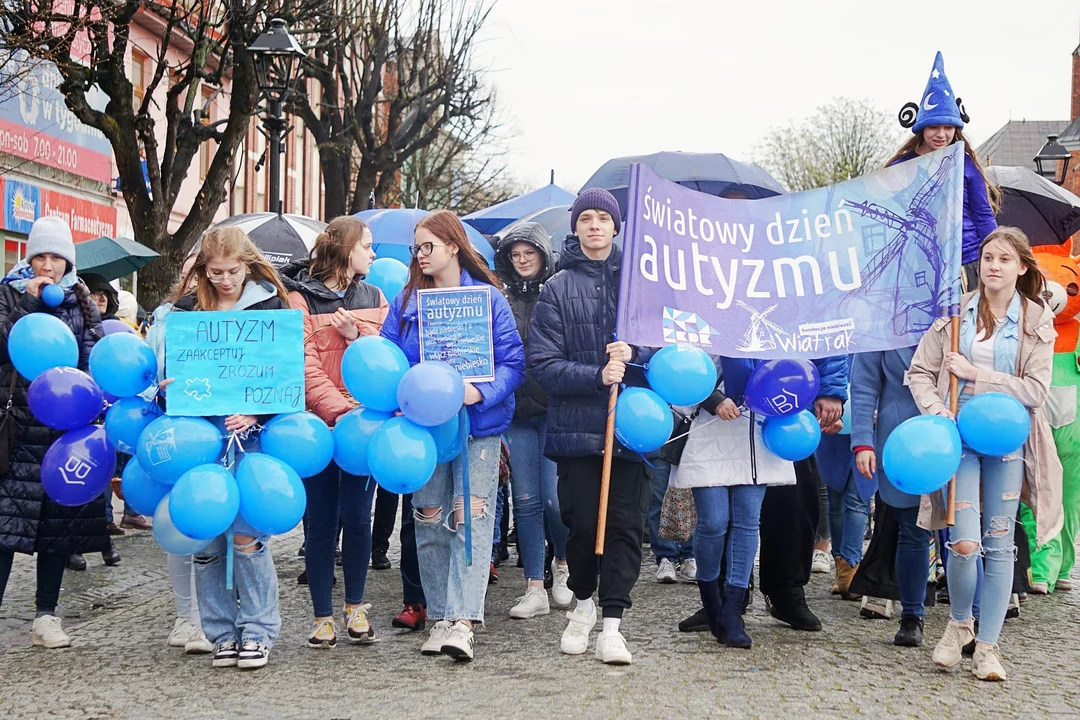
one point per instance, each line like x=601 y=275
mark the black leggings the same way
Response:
x=50 y=575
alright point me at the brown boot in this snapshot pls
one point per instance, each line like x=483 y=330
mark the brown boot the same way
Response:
x=844 y=573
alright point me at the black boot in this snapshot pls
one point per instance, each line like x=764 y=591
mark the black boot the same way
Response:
x=791 y=608
x=110 y=556
x=731 y=622
x=698 y=622
x=713 y=605
x=910 y=633
x=76 y=562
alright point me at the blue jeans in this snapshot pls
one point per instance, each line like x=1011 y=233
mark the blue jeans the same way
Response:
x=250 y=610
x=534 y=481
x=661 y=548
x=991 y=528
x=912 y=561
x=454 y=590
x=847 y=522
x=334 y=494
x=727 y=522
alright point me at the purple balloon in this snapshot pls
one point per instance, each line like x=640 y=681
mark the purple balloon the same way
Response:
x=65 y=398
x=78 y=466
x=112 y=325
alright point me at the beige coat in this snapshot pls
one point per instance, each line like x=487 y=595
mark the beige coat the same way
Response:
x=929 y=383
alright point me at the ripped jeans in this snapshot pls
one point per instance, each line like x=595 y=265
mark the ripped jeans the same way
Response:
x=453 y=590
x=988 y=521
x=250 y=610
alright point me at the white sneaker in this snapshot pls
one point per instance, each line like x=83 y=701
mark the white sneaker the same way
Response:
x=459 y=642
x=665 y=573
x=439 y=632
x=533 y=603
x=949 y=650
x=575 y=638
x=181 y=632
x=611 y=648
x=561 y=595
x=49 y=633
x=822 y=562
x=198 y=644
x=253 y=655
x=986 y=663
x=688 y=571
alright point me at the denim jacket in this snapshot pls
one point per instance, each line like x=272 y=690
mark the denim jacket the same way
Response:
x=1007 y=336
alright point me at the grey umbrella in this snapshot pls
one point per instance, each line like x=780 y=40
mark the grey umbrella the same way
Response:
x=554 y=220
x=1047 y=214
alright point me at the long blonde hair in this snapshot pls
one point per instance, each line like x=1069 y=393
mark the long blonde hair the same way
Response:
x=330 y=256
x=226 y=242
x=993 y=192
x=1030 y=285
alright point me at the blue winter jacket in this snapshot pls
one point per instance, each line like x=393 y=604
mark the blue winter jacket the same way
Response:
x=493 y=414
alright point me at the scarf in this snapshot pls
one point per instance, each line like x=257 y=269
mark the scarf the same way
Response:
x=22 y=274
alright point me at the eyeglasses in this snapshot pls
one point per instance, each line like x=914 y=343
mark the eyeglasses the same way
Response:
x=99 y=295
x=217 y=276
x=424 y=249
x=523 y=256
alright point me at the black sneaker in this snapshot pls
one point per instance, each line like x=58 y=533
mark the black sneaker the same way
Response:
x=253 y=655
x=225 y=654
x=910 y=633
x=794 y=611
x=302 y=579
x=379 y=561
x=698 y=622
x=76 y=562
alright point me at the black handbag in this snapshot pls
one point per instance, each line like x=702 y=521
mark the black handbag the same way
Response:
x=7 y=429
x=671 y=451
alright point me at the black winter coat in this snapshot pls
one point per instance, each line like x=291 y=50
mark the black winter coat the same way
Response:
x=571 y=327
x=29 y=521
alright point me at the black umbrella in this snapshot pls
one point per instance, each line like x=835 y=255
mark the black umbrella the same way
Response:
x=1047 y=214
x=282 y=238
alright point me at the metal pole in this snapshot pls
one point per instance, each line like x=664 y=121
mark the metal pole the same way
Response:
x=274 y=127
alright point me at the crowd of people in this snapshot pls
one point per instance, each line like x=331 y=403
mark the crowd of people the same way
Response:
x=541 y=424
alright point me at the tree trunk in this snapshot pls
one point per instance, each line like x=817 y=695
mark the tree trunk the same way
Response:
x=157 y=279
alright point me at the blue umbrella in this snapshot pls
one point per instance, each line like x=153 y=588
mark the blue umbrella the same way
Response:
x=392 y=230
x=493 y=219
x=711 y=173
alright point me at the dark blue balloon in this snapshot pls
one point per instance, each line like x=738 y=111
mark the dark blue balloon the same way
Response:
x=170 y=446
x=204 y=502
x=402 y=456
x=922 y=454
x=782 y=387
x=431 y=393
x=141 y=492
x=643 y=421
x=371 y=368
x=448 y=438
x=78 y=466
x=272 y=495
x=123 y=364
x=52 y=295
x=682 y=374
x=352 y=435
x=169 y=538
x=389 y=275
x=792 y=437
x=302 y=440
x=38 y=342
x=994 y=424
x=65 y=398
x=125 y=421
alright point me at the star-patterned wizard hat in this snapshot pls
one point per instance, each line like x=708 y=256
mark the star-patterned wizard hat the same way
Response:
x=939 y=105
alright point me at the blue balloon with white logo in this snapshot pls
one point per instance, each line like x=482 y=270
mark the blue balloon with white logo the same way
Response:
x=272 y=495
x=994 y=424
x=78 y=466
x=204 y=501
x=389 y=275
x=123 y=364
x=682 y=374
x=65 y=398
x=782 y=387
x=792 y=437
x=352 y=436
x=125 y=421
x=141 y=492
x=643 y=421
x=169 y=538
x=922 y=454
x=371 y=369
x=170 y=446
x=402 y=456
x=302 y=440
x=38 y=342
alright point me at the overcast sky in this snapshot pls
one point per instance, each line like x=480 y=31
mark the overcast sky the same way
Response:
x=588 y=80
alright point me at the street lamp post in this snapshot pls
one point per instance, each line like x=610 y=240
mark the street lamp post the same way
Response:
x=277 y=58
x=1053 y=160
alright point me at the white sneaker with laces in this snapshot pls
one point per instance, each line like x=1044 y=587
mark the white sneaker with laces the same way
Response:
x=197 y=644
x=949 y=650
x=533 y=603
x=665 y=573
x=48 y=632
x=575 y=638
x=986 y=663
x=182 y=631
x=688 y=571
x=253 y=655
x=611 y=648
x=561 y=595
x=822 y=562
x=459 y=642
x=357 y=624
x=439 y=632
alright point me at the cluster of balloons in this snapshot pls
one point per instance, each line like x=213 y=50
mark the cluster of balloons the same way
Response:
x=784 y=391
x=399 y=451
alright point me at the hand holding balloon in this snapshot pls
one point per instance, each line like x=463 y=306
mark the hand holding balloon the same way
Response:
x=613 y=372
x=727 y=410
x=240 y=423
x=36 y=285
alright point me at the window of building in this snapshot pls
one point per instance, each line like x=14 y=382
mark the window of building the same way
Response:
x=139 y=61
x=206 y=151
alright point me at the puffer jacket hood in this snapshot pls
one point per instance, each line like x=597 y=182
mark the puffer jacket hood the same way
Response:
x=96 y=283
x=535 y=235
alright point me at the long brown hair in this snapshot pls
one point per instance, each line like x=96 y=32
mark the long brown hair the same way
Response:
x=444 y=224
x=1030 y=285
x=330 y=256
x=993 y=192
x=227 y=242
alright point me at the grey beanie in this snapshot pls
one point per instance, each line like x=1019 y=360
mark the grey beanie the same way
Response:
x=51 y=235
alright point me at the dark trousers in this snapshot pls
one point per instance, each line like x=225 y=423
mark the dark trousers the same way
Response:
x=789 y=521
x=628 y=506
x=386 y=506
x=50 y=575
x=412 y=591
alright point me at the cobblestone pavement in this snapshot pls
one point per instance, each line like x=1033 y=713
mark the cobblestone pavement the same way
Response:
x=120 y=666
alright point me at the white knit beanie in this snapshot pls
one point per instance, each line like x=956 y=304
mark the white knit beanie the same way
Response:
x=51 y=235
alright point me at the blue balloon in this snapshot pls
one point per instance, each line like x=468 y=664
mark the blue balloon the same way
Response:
x=782 y=387
x=169 y=538
x=204 y=502
x=448 y=438
x=922 y=454
x=65 y=398
x=78 y=466
x=125 y=421
x=792 y=437
x=994 y=424
x=123 y=364
x=272 y=495
x=302 y=440
x=38 y=342
x=682 y=374
x=389 y=275
x=170 y=446
x=52 y=295
x=402 y=456
x=352 y=435
x=371 y=368
x=141 y=493
x=431 y=393
x=643 y=421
